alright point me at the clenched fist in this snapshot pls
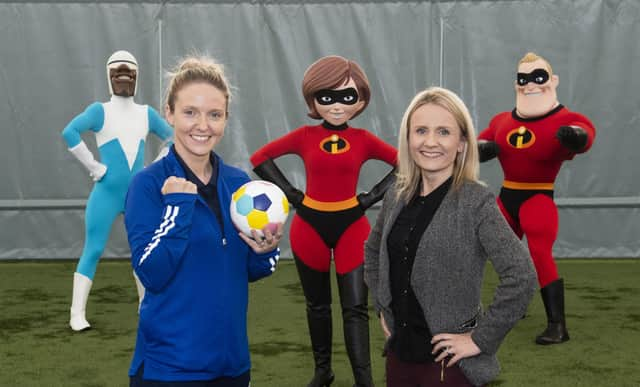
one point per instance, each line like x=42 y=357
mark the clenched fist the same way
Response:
x=487 y=150
x=572 y=137
x=175 y=184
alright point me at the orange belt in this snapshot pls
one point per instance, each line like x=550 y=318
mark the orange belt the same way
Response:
x=518 y=185
x=330 y=206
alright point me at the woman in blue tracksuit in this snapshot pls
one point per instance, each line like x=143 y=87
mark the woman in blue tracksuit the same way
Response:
x=193 y=263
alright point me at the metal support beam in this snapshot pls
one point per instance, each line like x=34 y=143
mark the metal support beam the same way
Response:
x=80 y=204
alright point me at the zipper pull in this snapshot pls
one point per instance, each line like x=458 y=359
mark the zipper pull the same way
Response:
x=442 y=371
x=224 y=241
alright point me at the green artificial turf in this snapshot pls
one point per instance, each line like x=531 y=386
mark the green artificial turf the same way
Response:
x=38 y=349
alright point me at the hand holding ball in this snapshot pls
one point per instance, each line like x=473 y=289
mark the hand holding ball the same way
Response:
x=256 y=205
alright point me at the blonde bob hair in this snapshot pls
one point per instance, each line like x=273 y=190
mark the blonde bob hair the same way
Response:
x=466 y=165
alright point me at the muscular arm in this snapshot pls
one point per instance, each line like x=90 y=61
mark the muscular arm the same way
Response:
x=573 y=138
x=487 y=147
x=578 y=134
x=489 y=133
x=487 y=150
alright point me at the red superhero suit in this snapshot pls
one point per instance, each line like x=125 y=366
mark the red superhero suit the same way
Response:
x=531 y=143
x=531 y=156
x=332 y=217
x=329 y=220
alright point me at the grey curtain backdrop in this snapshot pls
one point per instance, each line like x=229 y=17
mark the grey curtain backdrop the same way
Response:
x=52 y=65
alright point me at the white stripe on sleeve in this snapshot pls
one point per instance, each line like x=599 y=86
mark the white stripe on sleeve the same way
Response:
x=167 y=224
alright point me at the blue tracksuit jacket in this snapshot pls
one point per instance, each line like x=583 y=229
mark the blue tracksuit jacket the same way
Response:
x=193 y=320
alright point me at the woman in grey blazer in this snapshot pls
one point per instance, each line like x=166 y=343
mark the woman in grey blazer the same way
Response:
x=425 y=257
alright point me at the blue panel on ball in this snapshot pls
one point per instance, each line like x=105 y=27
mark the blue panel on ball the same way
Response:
x=244 y=205
x=261 y=202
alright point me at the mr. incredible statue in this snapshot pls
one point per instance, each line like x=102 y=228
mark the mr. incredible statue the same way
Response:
x=531 y=143
x=121 y=127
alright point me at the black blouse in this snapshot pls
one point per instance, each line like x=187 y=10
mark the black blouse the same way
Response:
x=411 y=341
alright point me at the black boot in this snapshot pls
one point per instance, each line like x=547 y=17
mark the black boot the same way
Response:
x=317 y=291
x=553 y=298
x=320 y=330
x=355 y=316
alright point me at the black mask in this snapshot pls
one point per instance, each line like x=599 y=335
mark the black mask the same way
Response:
x=329 y=97
x=537 y=76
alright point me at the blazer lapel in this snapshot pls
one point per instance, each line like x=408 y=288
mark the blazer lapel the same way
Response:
x=384 y=286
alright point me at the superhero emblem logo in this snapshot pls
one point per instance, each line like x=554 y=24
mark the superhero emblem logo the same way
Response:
x=521 y=138
x=334 y=144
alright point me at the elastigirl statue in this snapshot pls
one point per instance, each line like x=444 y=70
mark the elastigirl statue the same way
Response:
x=329 y=220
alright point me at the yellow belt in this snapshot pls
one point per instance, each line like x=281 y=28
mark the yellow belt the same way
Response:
x=518 y=185
x=330 y=206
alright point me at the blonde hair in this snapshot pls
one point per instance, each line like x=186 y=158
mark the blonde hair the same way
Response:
x=532 y=57
x=197 y=68
x=466 y=165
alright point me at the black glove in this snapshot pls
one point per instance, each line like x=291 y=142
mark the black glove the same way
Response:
x=367 y=199
x=268 y=170
x=487 y=150
x=572 y=137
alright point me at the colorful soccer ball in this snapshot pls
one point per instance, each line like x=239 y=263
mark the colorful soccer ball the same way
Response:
x=258 y=204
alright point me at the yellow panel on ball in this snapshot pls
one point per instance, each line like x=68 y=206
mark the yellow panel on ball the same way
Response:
x=236 y=195
x=257 y=219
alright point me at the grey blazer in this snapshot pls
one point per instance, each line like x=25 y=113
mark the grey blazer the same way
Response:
x=467 y=229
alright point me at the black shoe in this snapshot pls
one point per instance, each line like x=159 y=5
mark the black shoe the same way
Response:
x=322 y=379
x=553 y=299
x=555 y=333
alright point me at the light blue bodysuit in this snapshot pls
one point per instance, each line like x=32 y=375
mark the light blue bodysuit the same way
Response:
x=121 y=127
